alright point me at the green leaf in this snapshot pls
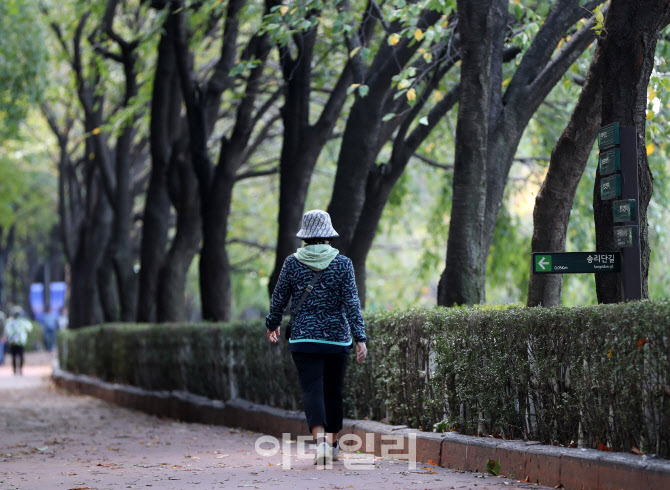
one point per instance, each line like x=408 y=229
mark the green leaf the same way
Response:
x=493 y=467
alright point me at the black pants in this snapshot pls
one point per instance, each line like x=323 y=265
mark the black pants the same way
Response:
x=17 y=354
x=321 y=378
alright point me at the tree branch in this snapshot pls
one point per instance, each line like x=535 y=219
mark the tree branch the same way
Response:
x=433 y=163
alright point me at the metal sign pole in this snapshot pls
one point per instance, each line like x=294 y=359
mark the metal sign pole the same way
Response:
x=631 y=270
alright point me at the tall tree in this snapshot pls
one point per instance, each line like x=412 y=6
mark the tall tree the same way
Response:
x=481 y=33
x=394 y=108
x=507 y=117
x=303 y=141
x=630 y=36
x=164 y=132
x=98 y=190
x=215 y=182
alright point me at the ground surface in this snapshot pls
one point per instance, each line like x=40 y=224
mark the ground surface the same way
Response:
x=53 y=439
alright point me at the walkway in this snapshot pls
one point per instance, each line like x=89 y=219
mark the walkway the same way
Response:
x=50 y=439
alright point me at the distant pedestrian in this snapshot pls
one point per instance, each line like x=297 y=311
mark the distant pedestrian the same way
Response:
x=16 y=331
x=325 y=313
x=49 y=326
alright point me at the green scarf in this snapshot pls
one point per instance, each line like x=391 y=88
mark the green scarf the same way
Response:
x=316 y=257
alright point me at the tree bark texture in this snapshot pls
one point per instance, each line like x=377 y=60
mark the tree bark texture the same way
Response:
x=630 y=36
x=86 y=307
x=462 y=279
x=554 y=201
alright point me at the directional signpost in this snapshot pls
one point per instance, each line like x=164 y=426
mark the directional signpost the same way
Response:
x=576 y=262
x=619 y=184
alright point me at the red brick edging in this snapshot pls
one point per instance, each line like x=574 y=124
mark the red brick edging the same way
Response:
x=548 y=465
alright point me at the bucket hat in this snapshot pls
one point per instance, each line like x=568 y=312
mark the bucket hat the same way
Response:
x=316 y=224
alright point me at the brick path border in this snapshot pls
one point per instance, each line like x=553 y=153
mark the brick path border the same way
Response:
x=547 y=465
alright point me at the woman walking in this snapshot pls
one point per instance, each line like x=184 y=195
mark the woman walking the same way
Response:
x=325 y=313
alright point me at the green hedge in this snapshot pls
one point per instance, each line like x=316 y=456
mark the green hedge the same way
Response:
x=592 y=376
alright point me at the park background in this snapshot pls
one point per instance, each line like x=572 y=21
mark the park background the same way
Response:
x=157 y=157
x=75 y=131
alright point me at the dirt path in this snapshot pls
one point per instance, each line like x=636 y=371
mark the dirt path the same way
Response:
x=52 y=439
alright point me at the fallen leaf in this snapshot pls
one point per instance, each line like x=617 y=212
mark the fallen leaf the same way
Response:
x=602 y=447
x=637 y=451
x=560 y=485
x=527 y=480
x=430 y=461
x=641 y=342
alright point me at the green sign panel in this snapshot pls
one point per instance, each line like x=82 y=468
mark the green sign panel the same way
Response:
x=626 y=236
x=576 y=262
x=608 y=136
x=610 y=161
x=610 y=187
x=625 y=210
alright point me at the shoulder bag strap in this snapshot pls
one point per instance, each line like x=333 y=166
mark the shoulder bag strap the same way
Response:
x=308 y=290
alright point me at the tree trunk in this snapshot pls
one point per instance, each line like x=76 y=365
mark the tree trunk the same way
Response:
x=507 y=117
x=298 y=154
x=462 y=279
x=165 y=107
x=85 y=304
x=554 y=201
x=171 y=299
x=630 y=36
x=362 y=138
x=303 y=142
x=215 y=283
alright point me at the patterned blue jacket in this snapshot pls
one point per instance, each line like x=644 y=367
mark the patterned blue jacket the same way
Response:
x=328 y=312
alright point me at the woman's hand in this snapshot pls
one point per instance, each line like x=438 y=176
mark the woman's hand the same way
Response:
x=273 y=335
x=361 y=352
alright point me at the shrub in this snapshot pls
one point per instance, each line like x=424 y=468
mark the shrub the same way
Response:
x=595 y=375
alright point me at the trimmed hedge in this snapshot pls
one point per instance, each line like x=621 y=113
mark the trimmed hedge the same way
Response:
x=594 y=376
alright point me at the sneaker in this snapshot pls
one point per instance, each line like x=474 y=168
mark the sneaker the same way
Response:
x=324 y=454
x=335 y=451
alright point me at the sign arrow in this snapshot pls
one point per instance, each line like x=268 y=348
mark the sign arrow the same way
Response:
x=542 y=263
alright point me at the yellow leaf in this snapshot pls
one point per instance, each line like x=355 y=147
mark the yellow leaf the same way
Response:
x=506 y=82
x=394 y=39
x=651 y=148
x=418 y=34
x=438 y=95
x=403 y=84
x=428 y=57
x=430 y=147
x=650 y=115
x=411 y=94
x=534 y=140
x=354 y=51
x=652 y=94
x=354 y=85
x=95 y=131
x=283 y=9
x=611 y=352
